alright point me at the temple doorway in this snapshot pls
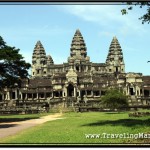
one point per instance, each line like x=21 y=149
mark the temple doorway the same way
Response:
x=131 y=91
x=70 y=90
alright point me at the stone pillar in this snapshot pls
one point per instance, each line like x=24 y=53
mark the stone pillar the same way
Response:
x=99 y=92
x=63 y=94
x=59 y=94
x=128 y=90
x=79 y=68
x=21 y=96
x=86 y=93
x=26 y=96
x=3 y=97
x=52 y=94
x=8 y=95
x=86 y=68
x=92 y=93
x=75 y=95
x=139 y=92
x=37 y=96
x=16 y=94
x=79 y=93
x=65 y=91
x=135 y=88
x=143 y=92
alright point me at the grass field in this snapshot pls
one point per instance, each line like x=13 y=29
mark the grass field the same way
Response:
x=73 y=128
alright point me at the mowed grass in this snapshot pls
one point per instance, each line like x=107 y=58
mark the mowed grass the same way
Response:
x=73 y=127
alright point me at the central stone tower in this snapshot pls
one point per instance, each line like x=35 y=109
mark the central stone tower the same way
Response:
x=78 y=55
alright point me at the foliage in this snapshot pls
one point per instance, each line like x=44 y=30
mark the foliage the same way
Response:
x=12 y=66
x=146 y=17
x=114 y=99
x=71 y=129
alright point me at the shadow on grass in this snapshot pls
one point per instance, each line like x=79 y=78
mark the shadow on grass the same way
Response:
x=7 y=125
x=114 y=113
x=123 y=122
x=3 y=120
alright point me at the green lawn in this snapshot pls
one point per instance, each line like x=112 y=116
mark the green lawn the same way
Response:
x=74 y=126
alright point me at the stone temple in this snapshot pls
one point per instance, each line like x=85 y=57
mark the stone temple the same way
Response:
x=77 y=80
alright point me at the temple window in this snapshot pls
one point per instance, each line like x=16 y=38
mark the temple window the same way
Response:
x=34 y=95
x=56 y=93
x=116 y=69
x=146 y=93
x=96 y=93
x=77 y=68
x=0 y=97
x=60 y=94
x=13 y=95
x=42 y=95
x=29 y=95
x=131 y=91
x=88 y=92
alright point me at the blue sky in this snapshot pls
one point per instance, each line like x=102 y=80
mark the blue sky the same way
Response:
x=54 y=25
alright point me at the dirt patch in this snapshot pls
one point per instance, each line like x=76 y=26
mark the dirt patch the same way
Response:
x=12 y=128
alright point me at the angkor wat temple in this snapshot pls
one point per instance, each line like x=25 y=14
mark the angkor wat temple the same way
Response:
x=77 y=80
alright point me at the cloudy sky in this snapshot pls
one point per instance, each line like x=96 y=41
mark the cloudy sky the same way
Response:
x=54 y=25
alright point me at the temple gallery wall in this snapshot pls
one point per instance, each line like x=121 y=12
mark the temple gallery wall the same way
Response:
x=78 y=79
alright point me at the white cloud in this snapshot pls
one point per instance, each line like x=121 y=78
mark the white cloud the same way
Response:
x=132 y=26
x=108 y=16
x=93 y=13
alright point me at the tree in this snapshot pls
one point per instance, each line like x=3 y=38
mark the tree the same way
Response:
x=114 y=99
x=146 y=17
x=12 y=66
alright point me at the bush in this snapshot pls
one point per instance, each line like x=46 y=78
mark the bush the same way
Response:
x=114 y=99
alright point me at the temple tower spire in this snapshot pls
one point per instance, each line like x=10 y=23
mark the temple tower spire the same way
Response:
x=40 y=62
x=38 y=59
x=78 y=47
x=115 y=61
x=78 y=51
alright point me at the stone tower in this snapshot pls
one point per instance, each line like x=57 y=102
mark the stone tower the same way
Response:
x=49 y=60
x=39 y=60
x=114 y=61
x=78 y=55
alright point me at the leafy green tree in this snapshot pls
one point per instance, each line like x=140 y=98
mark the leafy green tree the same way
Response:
x=145 y=17
x=12 y=66
x=114 y=99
